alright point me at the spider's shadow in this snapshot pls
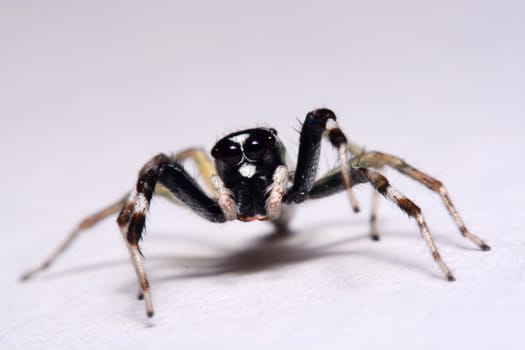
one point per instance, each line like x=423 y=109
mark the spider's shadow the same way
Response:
x=274 y=250
x=278 y=249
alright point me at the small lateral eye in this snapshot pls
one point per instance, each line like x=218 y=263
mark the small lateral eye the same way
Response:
x=270 y=140
x=254 y=148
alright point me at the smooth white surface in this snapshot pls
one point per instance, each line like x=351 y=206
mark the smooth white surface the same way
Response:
x=91 y=90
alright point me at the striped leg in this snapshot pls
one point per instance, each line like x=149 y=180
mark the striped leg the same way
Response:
x=331 y=184
x=378 y=160
x=131 y=220
x=381 y=184
x=205 y=167
x=84 y=225
x=374 y=232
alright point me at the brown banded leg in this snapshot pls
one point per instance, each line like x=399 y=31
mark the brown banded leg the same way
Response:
x=357 y=153
x=382 y=185
x=374 y=232
x=331 y=183
x=131 y=221
x=205 y=167
x=378 y=160
x=85 y=224
x=160 y=170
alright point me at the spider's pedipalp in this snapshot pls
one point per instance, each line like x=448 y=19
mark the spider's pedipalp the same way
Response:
x=276 y=192
x=224 y=198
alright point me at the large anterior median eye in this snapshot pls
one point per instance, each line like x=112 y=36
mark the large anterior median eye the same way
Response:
x=230 y=153
x=254 y=148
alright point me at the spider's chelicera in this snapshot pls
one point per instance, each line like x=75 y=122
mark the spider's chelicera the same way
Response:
x=250 y=180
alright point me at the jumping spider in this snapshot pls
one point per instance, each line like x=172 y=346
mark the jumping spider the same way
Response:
x=250 y=181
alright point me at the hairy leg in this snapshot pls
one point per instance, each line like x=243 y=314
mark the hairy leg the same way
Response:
x=331 y=184
x=378 y=160
x=84 y=225
x=131 y=220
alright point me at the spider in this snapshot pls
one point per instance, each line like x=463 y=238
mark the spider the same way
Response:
x=250 y=180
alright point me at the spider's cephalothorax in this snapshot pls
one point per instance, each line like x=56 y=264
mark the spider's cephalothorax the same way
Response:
x=250 y=181
x=246 y=161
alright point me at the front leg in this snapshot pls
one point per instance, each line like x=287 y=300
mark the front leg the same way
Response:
x=167 y=172
x=317 y=123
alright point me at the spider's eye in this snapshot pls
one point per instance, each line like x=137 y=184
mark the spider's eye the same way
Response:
x=254 y=148
x=230 y=153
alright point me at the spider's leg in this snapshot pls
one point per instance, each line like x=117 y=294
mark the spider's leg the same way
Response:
x=357 y=153
x=131 y=220
x=317 y=123
x=382 y=185
x=207 y=171
x=205 y=165
x=331 y=184
x=85 y=224
x=378 y=159
x=374 y=233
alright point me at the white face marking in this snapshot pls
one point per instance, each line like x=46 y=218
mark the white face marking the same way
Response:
x=239 y=138
x=247 y=170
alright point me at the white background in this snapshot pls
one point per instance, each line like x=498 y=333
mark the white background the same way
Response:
x=90 y=90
